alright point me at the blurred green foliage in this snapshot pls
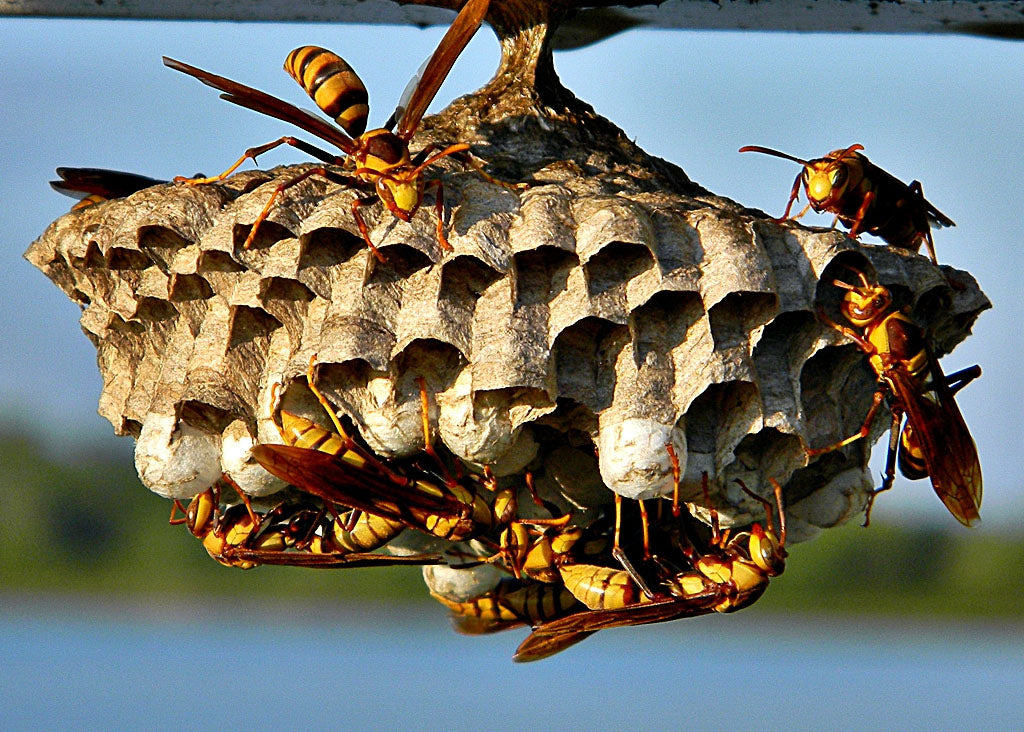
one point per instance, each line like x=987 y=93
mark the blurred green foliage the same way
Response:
x=84 y=525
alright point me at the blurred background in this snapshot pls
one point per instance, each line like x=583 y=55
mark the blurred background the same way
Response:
x=109 y=616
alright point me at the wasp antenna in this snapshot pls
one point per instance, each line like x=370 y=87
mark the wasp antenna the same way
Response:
x=769 y=151
x=844 y=285
x=782 y=512
x=767 y=505
x=852 y=149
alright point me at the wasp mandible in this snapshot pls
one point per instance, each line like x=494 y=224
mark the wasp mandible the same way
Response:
x=864 y=198
x=378 y=159
x=935 y=441
x=95 y=185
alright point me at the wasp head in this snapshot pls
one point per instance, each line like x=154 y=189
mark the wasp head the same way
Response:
x=199 y=517
x=767 y=550
x=864 y=304
x=827 y=179
x=383 y=158
x=401 y=194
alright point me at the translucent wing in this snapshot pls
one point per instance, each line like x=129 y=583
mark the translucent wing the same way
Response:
x=550 y=638
x=82 y=182
x=334 y=480
x=945 y=441
x=258 y=101
x=455 y=39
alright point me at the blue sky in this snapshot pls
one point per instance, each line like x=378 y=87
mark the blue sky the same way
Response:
x=942 y=109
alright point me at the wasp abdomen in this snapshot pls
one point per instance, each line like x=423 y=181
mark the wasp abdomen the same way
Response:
x=332 y=84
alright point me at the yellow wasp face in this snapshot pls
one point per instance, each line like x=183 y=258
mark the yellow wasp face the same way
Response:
x=862 y=305
x=402 y=195
x=825 y=182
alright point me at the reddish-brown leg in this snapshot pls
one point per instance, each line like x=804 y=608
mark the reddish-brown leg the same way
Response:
x=863 y=432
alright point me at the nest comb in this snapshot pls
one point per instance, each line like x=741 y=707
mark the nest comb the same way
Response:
x=575 y=330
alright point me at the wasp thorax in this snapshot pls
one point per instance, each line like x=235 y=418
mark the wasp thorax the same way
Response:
x=383 y=149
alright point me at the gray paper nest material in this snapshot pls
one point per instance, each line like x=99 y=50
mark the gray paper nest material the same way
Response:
x=570 y=316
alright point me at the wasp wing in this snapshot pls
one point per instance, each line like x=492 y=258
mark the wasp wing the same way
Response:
x=935 y=217
x=363 y=488
x=254 y=99
x=944 y=439
x=334 y=560
x=82 y=182
x=454 y=41
x=550 y=638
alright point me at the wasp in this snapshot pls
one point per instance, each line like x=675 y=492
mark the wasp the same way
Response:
x=510 y=604
x=935 y=441
x=378 y=159
x=864 y=198
x=335 y=468
x=730 y=574
x=295 y=534
x=95 y=185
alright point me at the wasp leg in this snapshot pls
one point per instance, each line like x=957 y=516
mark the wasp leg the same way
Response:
x=677 y=509
x=618 y=522
x=356 y=205
x=175 y=507
x=959 y=379
x=627 y=565
x=467 y=159
x=442 y=239
x=918 y=190
x=281 y=187
x=793 y=193
x=428 y=445
x=862 y=211
x=863 y=432
x=645 y=527
x=245 y=499
x=254 y=152
x=450 y=150
x=326 y=405
x=890 y=465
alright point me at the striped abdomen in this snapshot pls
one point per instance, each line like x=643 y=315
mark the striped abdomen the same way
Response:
x=332 y=84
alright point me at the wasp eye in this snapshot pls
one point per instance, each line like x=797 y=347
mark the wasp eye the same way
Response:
x=839 y=176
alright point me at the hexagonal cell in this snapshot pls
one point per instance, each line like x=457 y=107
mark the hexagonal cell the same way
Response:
x=623 y=308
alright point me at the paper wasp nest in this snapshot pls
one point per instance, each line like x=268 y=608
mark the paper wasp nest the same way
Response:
x=613 y=305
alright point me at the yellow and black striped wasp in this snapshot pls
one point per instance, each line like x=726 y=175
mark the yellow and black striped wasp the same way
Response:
x=935 y=441
x=730 y=573
x=378 y=159
x=864 y=198
x=340 y=471
x=293 y=533
x=510 y=604
x=95 y=185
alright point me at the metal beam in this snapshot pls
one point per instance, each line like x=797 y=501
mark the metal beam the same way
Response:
x=595 y=19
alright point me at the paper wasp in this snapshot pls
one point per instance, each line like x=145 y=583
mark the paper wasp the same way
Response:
x=379 y=159
x=510 y=604
x=935 y=441
x=864 y=198
x=730 y=574
x=335 y=468
x=291 y=533
x=95 y=185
